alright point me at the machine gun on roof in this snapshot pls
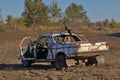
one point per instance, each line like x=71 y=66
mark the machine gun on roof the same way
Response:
x=68 y=30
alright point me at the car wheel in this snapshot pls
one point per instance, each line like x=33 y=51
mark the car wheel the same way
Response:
x=60 y=62
x=26 y=63
x=52 y=63
x=91 y=61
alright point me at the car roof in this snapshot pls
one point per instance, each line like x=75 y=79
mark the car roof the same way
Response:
x=57 y=34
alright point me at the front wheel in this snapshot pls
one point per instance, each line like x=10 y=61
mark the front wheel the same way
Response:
x=26 y=63
x=52 y=63
x=60 y=62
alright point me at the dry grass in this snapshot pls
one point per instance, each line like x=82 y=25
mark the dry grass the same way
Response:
x=11 y=69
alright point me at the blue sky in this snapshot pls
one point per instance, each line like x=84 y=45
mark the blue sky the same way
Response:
x=96 y=9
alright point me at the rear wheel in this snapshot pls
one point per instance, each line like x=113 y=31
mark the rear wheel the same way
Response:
x=91 y=61
x=26 y=63
x=60 y=62
x=77 y=62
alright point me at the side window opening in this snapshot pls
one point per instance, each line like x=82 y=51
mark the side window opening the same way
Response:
x=59 y=39
x=43 y=41
x=66 y=39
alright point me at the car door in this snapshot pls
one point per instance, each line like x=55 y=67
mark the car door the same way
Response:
x=42 y=48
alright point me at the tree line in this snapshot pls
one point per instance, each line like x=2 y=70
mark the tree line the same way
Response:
x=38 y=13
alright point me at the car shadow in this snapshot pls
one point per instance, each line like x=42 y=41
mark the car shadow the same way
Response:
x=20 y=67
x=115 y=34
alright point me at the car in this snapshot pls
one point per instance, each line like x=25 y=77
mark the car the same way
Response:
x=59 y=47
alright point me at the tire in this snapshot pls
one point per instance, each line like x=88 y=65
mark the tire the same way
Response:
x=52 y=63
x=87 y=63
x=26 y=63
x=60 y=62
x=77 y=62
x=91 y=61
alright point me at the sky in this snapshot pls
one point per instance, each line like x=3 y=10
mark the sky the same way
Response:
x=97 y=10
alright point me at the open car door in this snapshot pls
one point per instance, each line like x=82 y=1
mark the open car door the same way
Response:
x=23 y=48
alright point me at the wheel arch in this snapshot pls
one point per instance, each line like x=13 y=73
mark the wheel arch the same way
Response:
x=61 y=53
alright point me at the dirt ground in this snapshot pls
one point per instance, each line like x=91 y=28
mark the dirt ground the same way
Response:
x=11 y=69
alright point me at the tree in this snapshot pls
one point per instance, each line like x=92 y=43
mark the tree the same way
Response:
x=9 y=20
x=55 y=12
x=19 y=21
x=76 y=14
x=0 y=13
x=113 y=23
x=1 y=21
x=99 y=24
x=36 y=12
x=106 y=23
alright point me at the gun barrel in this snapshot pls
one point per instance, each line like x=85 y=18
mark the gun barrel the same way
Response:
x=68 y=30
